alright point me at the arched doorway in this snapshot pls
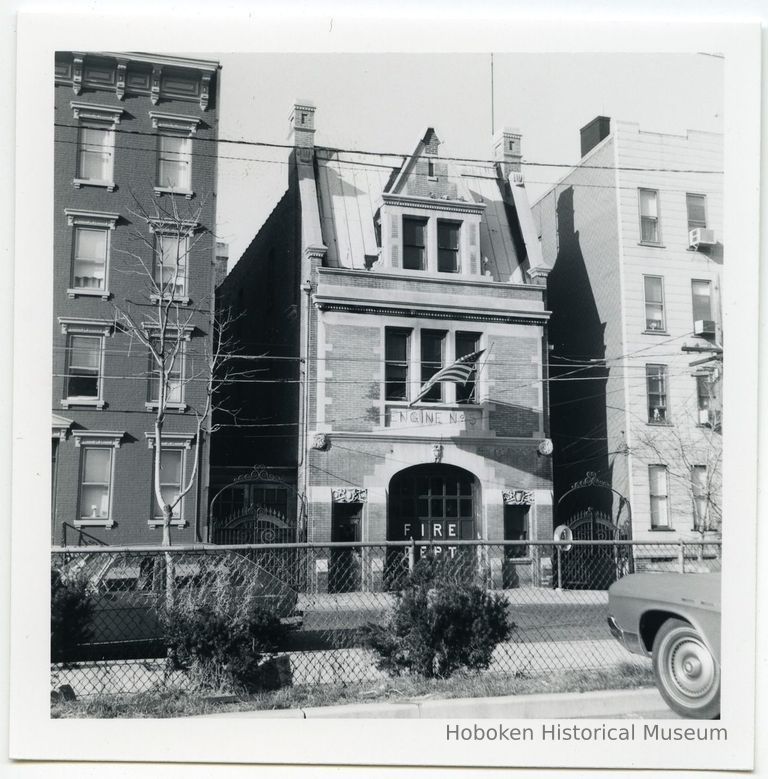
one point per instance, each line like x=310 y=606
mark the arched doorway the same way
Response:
x=436 y=503
x=594 y=511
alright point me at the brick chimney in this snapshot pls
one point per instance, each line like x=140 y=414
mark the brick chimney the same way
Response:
x=507 y=149
x=302 y=128
x=431 y=142
x=220 y=263
x=592 y=133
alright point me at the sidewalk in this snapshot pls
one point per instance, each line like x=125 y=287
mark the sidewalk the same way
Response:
x=604 y=704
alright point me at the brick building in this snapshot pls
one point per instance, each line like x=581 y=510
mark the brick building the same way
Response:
x=129 y=129
x=634 y=234
x=371 y=274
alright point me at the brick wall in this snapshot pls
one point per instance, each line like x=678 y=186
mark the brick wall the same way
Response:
x=125 y=362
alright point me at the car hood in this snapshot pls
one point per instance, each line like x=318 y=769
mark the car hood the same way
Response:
x=695 y=589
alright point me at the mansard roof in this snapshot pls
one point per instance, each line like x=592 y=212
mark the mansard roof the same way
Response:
x=352 y=187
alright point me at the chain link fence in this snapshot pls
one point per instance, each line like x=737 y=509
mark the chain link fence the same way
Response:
x=325 y=595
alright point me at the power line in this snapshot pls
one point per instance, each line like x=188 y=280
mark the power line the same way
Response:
x=406 y=156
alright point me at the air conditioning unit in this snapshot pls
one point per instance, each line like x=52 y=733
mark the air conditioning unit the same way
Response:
x=703 y=416
x=701 y=236
x=704 y=327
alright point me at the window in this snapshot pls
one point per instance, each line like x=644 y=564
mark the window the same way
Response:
x=414 y=243
x=432 y=352
x=83 y=367
x=700 y=494
x=95 y=483
x=171 y=264
x=696 y=206
x=174 y=369
x=654 y=303
x=702 y=300
x=396 y=364
x=656 y=380
x=657 y=477
x=466 y=343
x=175 y=163
x=95 y=154
x=703 y=395
x=649 y=216
x=448 y=246
x=171 y=474
x=89 y=267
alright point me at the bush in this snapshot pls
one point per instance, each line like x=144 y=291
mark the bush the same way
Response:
x=439 y=625
x=71 y=614
x=220 y=635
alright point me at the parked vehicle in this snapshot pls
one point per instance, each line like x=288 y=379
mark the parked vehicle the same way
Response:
x=128 y=593
x=675 y=619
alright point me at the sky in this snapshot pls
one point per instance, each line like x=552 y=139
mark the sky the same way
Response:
x=385 y=102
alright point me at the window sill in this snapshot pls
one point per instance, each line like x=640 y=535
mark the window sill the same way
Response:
x=653 y=244
x=187 y=193
x=153 y=406
x=90 y=402
x=656 y=332
x=661 y=529
x=110 y=186
x=74 y=292
x=108 y=523
x=659 y=424
x=153 y=523
x=182 y=301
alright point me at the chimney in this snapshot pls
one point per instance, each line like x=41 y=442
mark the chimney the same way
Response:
x=302 y=128
x=431 y=142
x=594 y=132
x=220 y=263
x=507 y=149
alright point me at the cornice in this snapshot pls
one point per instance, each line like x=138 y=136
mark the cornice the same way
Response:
x=433 y=204
x=389 y=436
x=175 y=122
x=96 y=111
x=77 y=217
x=422 y=277
x=421 y=312
x=163 y=59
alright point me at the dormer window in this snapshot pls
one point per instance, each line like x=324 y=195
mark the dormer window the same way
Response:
x=448 y=246
x=414 y=243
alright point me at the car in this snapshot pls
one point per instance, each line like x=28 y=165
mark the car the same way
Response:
x=675 y=619
x=128 y=592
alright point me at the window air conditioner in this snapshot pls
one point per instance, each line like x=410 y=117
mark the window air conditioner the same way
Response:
x=703 y=416
x=703 y=327
x=701 y=236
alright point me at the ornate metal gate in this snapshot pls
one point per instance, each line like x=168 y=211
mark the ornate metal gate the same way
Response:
x=595 y=567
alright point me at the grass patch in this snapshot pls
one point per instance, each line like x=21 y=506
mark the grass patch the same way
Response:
x=164 y=702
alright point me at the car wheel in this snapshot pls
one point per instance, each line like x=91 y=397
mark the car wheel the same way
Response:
x=687 y=674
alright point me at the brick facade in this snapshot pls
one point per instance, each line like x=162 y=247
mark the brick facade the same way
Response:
x=142 y=92
x=344 y=294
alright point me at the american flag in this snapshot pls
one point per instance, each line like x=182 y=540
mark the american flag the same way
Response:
x=458 y=372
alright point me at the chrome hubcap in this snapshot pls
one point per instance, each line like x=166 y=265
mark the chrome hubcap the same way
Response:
x=692 y=668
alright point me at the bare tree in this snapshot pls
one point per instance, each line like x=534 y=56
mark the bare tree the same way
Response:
x=163 y=322
x=693 y=455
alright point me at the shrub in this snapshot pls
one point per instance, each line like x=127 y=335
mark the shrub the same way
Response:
x=220 y=633
x=71 y=614
x=440 y=624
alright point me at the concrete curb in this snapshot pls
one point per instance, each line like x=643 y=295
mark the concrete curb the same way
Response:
x=600 y=703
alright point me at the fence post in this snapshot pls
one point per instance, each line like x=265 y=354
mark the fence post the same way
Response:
x=411 y=556
x=559 y=567
x=681 y=556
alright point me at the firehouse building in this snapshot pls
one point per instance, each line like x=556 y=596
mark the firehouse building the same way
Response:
x=370 y=276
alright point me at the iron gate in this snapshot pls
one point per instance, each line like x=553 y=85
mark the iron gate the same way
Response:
x=595 y=567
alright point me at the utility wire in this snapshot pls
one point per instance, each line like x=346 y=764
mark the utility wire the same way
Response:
x=404 y=156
